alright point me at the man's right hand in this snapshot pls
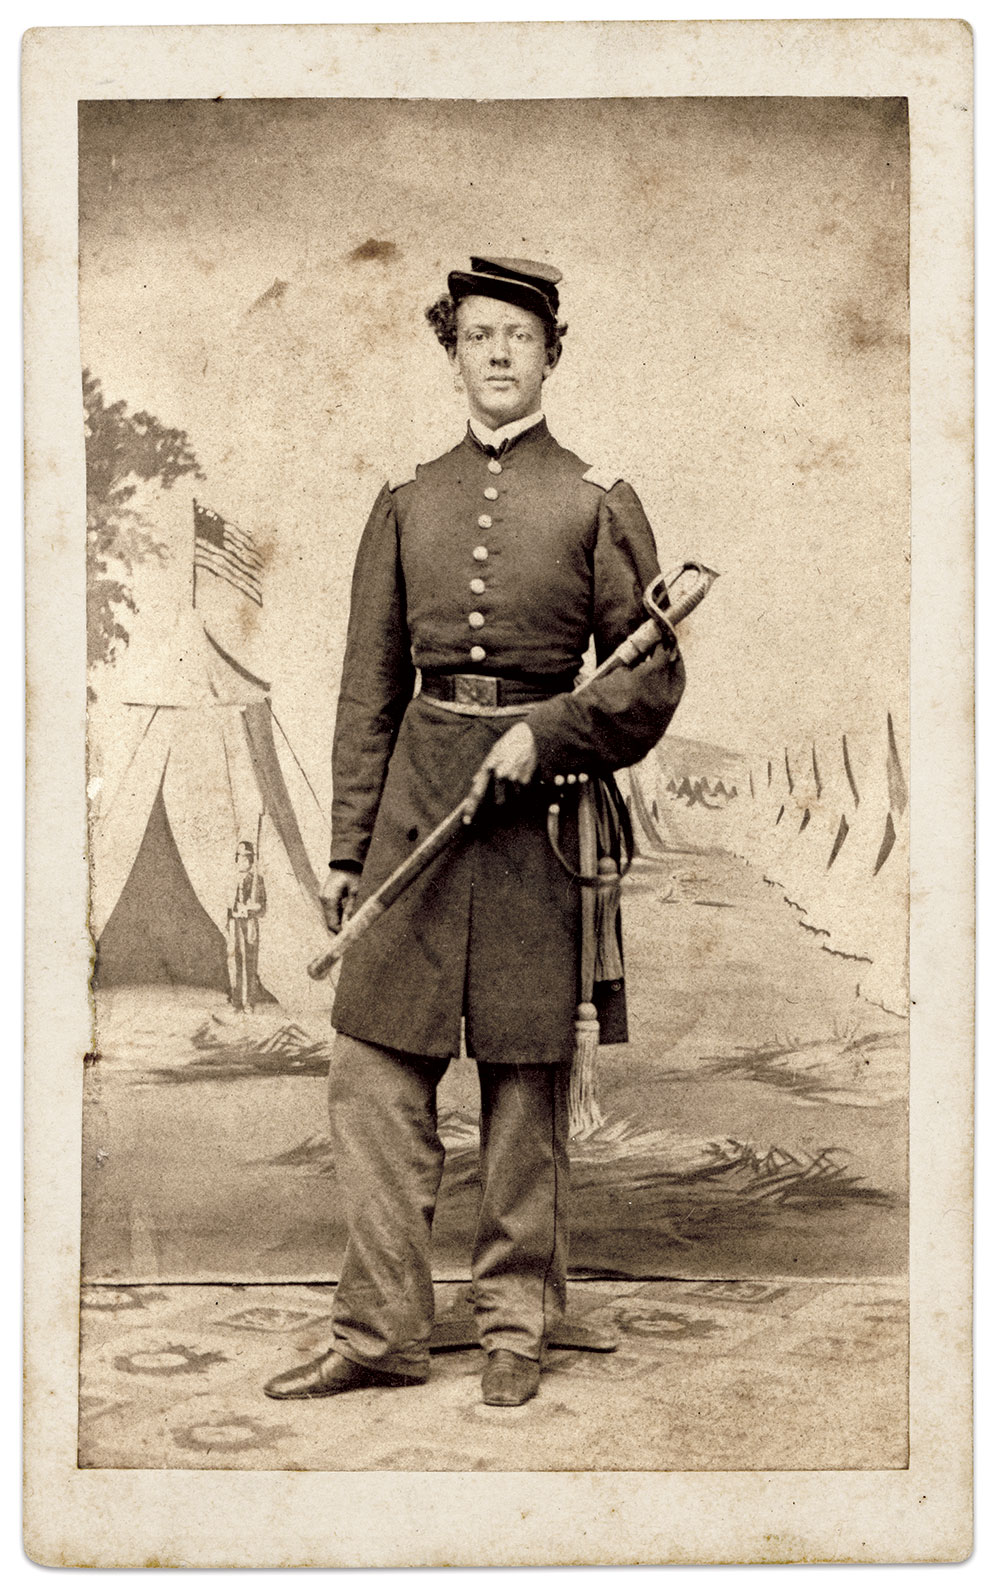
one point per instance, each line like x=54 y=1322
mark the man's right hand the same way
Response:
x=337 y=896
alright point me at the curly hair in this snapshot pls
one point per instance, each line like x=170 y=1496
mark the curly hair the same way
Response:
x=442 y=317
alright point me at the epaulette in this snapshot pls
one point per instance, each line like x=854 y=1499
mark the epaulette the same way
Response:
x=602 y=477
x=401 y=477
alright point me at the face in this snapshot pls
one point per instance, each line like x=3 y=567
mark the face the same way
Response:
x=242 y=862
x=501 y=355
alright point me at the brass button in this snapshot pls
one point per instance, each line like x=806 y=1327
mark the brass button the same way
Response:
x=477 y=585
x=476 y=620
x=494 y=466
x=491 y=492
x=486 y=521
x=477 y=654
x=480 y=553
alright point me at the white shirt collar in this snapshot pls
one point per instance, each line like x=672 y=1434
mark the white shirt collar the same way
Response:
x=504 y=434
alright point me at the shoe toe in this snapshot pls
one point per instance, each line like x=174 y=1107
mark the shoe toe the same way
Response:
x=509 y=1379
x=330 y=1375
x=325 y=1376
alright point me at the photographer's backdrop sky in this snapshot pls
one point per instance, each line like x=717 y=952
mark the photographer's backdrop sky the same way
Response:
x=736 y=291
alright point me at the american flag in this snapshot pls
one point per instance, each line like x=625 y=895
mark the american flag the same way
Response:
x=226 y=551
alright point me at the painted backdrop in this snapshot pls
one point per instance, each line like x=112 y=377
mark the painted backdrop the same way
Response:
x=252 y=281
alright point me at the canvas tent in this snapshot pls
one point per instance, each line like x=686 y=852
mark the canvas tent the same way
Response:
x=824 y=820
x=828 y=824
x=188 y=774
x=681 y=795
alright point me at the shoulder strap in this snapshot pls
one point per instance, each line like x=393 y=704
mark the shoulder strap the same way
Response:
x=400 y=477
x=601 y=476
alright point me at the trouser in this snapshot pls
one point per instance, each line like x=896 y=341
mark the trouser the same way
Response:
x=388 y=1160
x=242 y=944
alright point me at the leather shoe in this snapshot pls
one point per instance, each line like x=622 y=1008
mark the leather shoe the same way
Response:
x=330 y=1375
x=509 y=1380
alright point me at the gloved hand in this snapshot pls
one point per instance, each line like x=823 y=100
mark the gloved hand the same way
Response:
x=513 y=757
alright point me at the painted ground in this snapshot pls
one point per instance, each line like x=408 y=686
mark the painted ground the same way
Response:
x=754 y=1128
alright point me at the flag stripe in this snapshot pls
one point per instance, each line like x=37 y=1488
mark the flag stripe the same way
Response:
x=234 y=581
x=240 y=536
x=236 y=555
x=227 y=551
x=219 y=562
x=243 y=543
x=238 y=586
x=216 y=535
x=218 y=566
x=225 y=558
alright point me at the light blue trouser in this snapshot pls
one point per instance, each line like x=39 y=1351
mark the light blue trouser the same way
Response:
x=388 y=1160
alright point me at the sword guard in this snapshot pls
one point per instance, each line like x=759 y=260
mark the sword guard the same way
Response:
x=667 y=610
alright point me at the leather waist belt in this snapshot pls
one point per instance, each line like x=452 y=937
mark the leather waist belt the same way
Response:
x=490 y=694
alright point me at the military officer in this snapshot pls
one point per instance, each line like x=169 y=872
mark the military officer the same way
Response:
x=487 y=571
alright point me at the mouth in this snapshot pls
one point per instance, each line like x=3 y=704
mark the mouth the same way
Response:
x=500 y=381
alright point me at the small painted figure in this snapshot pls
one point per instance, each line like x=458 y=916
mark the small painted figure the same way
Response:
x=243 y=930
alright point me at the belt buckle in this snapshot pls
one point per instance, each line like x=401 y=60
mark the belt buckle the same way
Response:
x=482 y=691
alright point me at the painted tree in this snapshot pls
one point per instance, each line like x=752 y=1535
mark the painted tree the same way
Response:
x=123 y=452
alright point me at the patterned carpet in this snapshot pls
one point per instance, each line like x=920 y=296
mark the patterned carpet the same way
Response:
x=709 y=1374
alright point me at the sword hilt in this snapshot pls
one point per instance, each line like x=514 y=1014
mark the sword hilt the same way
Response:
x=658 y=595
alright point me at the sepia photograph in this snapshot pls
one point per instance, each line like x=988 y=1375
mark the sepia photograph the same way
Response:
x=498 y=780
x=353 y=481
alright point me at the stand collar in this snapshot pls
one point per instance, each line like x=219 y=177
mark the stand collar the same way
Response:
x=504 y=434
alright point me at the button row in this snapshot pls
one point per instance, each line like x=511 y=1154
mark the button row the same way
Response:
x=481 y=553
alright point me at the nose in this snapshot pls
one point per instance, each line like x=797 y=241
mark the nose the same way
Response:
x=500 y=352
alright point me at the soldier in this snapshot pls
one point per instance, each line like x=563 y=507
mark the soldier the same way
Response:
x=248 y=907
x=487 y=570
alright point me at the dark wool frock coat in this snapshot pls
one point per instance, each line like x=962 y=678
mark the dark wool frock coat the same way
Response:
x=506 y=567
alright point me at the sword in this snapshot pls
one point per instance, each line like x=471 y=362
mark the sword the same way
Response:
x=664 y=615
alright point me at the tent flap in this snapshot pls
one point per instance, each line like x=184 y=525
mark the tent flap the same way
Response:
x=257 y=719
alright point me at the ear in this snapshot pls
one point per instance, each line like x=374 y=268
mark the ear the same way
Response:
x=553 y=361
